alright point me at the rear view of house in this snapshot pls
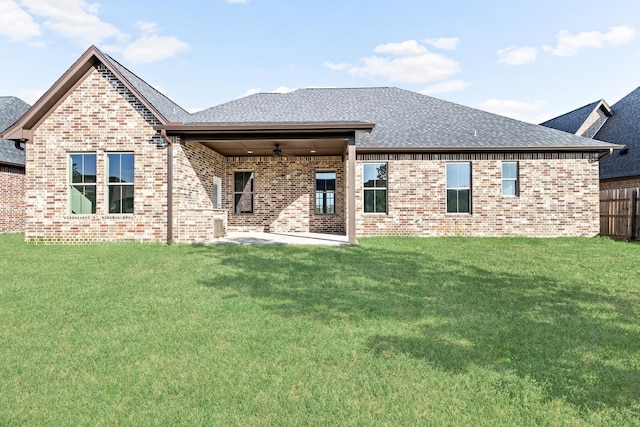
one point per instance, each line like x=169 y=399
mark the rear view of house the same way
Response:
x=12 y=175
x=111 y=158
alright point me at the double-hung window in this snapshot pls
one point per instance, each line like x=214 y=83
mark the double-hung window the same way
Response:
x=82 y=183
x=120 y=183
x=458 y=187
x=242 y=192
x=510 y=178
x=375 y=187
x=325 y=192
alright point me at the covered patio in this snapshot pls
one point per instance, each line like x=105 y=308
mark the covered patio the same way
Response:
x=266 y=177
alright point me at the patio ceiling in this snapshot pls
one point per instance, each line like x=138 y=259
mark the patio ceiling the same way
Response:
x=260 y=139
x=288 y=147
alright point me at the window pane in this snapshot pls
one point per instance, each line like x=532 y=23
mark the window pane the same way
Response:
x=325 y=175
x=120 y=167
x=89 y=165
x=375 y=175
x=126 y=168
x=121 y=199
x=509 y=170
x=508 y=188
x=238 y=182
x=83 y=168
x=113 y=160
x=243 y=203
x=127 y=199
x=458 y=175
x=83 y=199
x=381 y=200
x=463 y=201
x=319 y=201
x=243 y=181
x=76 y=168
x=369 y=200
x=331 y=207
x=331 y=183
x=452 y=201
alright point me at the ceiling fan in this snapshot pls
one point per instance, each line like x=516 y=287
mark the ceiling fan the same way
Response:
x=278 y=152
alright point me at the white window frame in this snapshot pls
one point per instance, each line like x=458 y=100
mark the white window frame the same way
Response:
x=375 y=189
x=325 y=194
x=515 y=180
x=118 y=184
x=457 y=189
x=71 y=184
x=252 y=192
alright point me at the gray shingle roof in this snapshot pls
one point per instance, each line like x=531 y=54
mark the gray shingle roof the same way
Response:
x=403 y=119
x=622 y=128
x=573 y=120
x=169 y=109
x=11 y=109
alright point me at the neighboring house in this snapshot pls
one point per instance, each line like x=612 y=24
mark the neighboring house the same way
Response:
x=618 y=124
x=109 y=157
x=11 y=168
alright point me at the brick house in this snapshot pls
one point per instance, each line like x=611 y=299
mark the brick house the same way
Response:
x=109 y=157
x=618 y=124
x=11 y=168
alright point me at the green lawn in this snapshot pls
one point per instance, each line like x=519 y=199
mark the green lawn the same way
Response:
x=395 y=331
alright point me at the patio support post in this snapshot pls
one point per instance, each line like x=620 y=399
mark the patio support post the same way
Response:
x=351 y=190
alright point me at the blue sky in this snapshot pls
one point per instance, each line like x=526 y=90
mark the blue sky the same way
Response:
x=530 y=60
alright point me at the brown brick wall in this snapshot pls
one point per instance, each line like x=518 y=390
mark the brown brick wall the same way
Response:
x=99 y=116
x=558 y=197
x=558 y=192
x=284 y=194
x=195 y=166
x=11 y=199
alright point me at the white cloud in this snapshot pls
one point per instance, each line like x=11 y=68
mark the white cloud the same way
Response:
x=150 y=47
x=251 y=91
x=75 y=20
x=446 y=43
x=237 y=1
x=445 y=87
x=406 y=61
x=282 y=89
x=569 y=45
x=78 y=21
x=525 y=111
x=15 y=23
x=514 y=55
x=336 y=67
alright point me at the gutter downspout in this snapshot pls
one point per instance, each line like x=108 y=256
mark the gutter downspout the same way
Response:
x=605 y=155
x=163 y=134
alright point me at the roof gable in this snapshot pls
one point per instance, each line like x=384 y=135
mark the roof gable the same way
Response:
x=623 y=128
x=159 y=105
x=582 y=120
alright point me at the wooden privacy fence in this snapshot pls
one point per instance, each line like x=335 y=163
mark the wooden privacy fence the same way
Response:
x=620 y=213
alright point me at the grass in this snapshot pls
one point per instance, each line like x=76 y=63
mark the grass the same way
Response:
x=396 y=331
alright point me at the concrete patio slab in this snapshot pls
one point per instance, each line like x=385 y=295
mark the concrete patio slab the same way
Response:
x=259 y=238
